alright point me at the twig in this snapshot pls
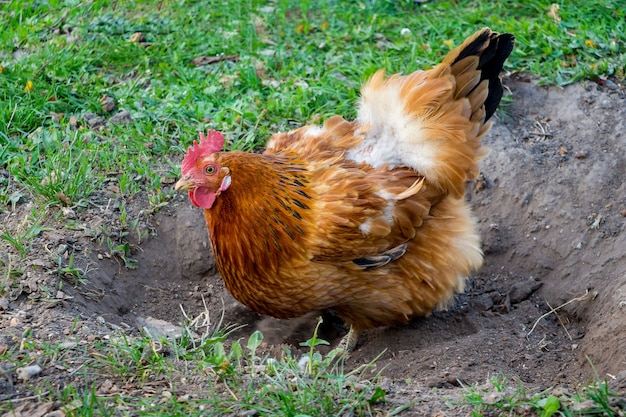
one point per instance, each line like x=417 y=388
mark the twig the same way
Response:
x=32 y=397
x=542 y=134
x=11 y=117
x=561 y=322
x=583 y=297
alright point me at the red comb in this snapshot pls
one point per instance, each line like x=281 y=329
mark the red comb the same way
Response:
x=211 y=143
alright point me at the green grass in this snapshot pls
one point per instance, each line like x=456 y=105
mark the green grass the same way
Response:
x=497 y=397
x=230 y=378
x=294 y=62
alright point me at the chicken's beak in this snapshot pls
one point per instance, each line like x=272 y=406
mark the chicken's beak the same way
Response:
x=184 y=183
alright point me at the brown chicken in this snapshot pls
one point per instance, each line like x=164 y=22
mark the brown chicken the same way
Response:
x=364 y=217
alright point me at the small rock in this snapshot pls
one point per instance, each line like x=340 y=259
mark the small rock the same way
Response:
x=483 y=302
x=522 y=290
x=94 y=121
x=385 y=384
x=137 y=37
x=247 y=413
x=183 y=398
x=582 y=154
x=579 y=407
x=62 y=296
x=157 y=329
x=68 y=345
x=14 y=322
x=4 y=303
x=108 y=103
x=122 y=118
x=455 y=380
x=271 y=83
x=68 y=213
x=56 y=116
x=27 y=372
x=61 y=249
x=435 y=382
x=359 y=386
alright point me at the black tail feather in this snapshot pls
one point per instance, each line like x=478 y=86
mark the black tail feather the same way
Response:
x=491 y=61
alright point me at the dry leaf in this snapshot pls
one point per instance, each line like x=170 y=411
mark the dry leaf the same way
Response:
x=553 y=12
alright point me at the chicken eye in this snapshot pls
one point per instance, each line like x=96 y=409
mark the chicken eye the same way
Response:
x=209 y=169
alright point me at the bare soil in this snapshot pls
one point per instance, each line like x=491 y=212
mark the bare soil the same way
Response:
x=551 y=202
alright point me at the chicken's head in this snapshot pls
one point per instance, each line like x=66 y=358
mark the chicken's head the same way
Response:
x=202 y=176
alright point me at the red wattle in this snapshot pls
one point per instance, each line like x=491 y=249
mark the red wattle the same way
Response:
x=202 y=197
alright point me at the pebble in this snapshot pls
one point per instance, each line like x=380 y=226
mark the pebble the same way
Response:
x=40 y=262
x=108 y=103
x=137 y=37
x=157 y=328
x=522 y=290
x=61 y=249
x=582 y=154
x=62 y=295
x=455 y=380
x=93 y=120
x=385 y=384
x=68 y=213
x=122 y=118
x=579 y=407
x=482 y=302
x=27 y=372
x=247 y=413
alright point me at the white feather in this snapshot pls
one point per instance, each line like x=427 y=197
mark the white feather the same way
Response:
x=392 y=137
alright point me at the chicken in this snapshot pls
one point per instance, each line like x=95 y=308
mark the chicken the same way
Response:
x=367 y=217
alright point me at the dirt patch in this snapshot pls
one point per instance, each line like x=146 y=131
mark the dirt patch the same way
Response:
x=551 y=203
